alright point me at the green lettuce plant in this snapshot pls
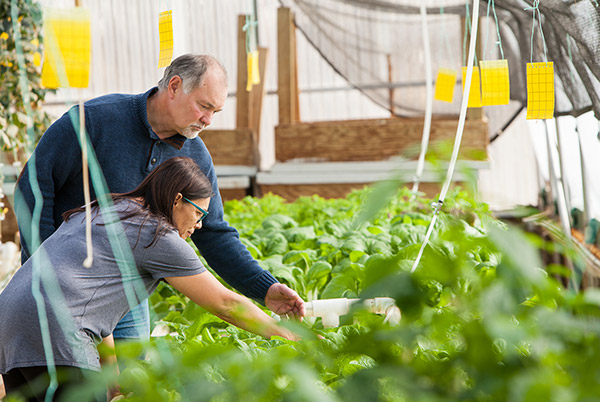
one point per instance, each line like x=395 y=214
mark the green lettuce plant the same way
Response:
x=481 y=319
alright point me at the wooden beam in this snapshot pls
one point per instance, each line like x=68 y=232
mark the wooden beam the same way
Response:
x=372 y=140
x=295 y=87
x=242 y=109
x=228 y=194
x=390 y=81
x=231 y=147
x=334 y=190
x=287 y=79
x=258 y=93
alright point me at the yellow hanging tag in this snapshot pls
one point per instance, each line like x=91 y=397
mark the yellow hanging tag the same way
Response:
x=253 y=71
x=495 y=84
x=444 y=85
x=165 y=33
x=540 y=90
x=475 y=91
x=68 y=49
x=255 y=68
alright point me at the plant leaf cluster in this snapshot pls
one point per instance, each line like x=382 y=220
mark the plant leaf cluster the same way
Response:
x=481 y=319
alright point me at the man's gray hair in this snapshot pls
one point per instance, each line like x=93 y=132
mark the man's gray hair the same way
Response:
x=191 y=68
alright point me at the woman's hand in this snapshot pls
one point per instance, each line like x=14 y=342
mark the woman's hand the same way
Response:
x=206 y=291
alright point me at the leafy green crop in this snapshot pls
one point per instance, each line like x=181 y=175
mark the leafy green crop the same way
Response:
x=481 y=319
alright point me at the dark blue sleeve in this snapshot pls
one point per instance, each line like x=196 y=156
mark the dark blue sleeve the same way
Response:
x=56 y=158
x=220 y=245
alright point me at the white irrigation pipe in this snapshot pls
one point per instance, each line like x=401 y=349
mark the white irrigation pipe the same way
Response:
x=558 y=179
x=330 y=310
x=563 y=175
x=459 y=132
x=563 y=211
x=428 y=102
x=584 y=187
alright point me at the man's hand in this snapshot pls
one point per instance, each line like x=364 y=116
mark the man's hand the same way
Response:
x=282 y=300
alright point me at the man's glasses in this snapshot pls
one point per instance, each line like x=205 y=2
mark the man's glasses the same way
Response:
x=204 y=213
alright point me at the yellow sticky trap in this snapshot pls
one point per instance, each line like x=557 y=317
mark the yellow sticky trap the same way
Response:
x=68 y=49
x=165 y=33
x=253 y=70
x=495 y=85
x=540 y=90
x=475 y=91
x=444 y=85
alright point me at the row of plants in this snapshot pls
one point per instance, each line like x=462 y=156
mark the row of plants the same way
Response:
x=481 y=319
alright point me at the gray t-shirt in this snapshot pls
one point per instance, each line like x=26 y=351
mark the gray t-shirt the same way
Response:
x=83 y=305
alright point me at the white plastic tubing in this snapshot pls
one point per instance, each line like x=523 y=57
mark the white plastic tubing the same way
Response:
x=330 y=310
x=428 y=102
x=459 y=131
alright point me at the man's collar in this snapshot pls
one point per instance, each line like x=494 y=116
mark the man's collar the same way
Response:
x=175 y=141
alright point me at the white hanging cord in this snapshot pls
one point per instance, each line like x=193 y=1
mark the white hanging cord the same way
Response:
x=459 y=132
x=86 y=185
x=429 y=101
x=536 y=7
x=487 y=30
x=561 y=165
x=586 y=195
x=563 y=212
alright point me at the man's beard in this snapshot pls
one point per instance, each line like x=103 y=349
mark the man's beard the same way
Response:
x=191 y=132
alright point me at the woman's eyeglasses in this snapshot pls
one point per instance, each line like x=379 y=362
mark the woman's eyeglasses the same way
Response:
x=204 y=213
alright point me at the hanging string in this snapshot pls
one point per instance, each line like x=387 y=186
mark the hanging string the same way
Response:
x=487 y=31
x=459 y=132
x=249 y=28
x=166 y=3
x=535 y=7
x=86 y=185
x=447 y=50
x=85 y=171
x=465 y=36
x=497 y=30
x=467 y=32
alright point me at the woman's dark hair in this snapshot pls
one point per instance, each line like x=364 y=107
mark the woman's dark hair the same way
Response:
x=159 y=189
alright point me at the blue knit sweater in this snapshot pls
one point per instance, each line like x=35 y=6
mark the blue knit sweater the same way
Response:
x=127 y=150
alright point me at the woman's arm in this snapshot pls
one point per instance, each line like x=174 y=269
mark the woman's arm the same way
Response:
x=109 y=359
x=206 y=291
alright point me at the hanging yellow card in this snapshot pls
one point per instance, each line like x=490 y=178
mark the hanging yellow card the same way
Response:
x=68 y=48
x=540 y=90
x=253 y=70
x=475 y=92
x=495 y=84
x=444 y=85
x=165 y=33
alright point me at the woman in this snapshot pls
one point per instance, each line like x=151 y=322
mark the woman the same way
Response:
x=81 y=306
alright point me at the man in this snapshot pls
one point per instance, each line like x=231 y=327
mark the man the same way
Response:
x=131 y=135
